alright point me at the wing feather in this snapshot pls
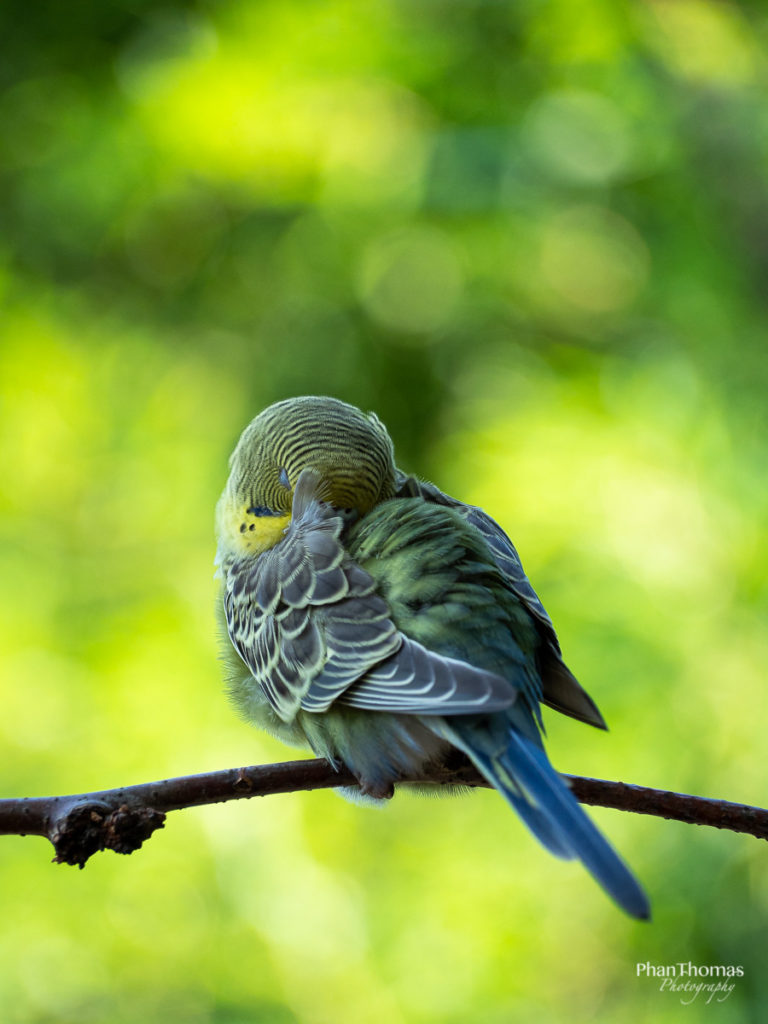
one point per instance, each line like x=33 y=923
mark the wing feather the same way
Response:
x=561 y=690
x=312 y=629
x=418 y=681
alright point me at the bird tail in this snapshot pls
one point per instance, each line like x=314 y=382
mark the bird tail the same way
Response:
x=521 y=772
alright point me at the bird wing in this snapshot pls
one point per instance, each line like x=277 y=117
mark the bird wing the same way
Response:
x=415 y=680
x=310 y=626
x=560 y=688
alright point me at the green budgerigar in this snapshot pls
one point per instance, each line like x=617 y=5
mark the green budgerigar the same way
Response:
x=385 y=624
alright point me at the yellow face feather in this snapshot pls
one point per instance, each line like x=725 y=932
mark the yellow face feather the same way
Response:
x=244 y=531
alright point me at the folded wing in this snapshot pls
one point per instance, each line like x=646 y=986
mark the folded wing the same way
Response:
x=561 y=690
x=310 y=626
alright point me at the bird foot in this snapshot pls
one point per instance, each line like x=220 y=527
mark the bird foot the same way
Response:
x=378 y=791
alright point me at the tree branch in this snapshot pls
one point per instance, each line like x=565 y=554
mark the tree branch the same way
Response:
x=121 y=819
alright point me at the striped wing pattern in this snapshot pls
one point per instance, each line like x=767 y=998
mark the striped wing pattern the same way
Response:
x=415 y=680
x=308 y=623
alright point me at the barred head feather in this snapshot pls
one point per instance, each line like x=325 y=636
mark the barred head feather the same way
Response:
x=352 y=453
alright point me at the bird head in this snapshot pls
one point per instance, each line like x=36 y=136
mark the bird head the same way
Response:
x=350 y=452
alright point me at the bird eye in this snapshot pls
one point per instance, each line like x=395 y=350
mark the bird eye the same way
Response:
x=284 y=478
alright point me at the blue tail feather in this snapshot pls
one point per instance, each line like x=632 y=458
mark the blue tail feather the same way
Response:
x=523 y=775
x=539 y=823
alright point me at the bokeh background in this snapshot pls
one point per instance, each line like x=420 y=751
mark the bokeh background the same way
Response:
x=533 y=238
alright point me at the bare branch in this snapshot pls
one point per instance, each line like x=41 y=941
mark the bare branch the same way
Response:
x=121 y=819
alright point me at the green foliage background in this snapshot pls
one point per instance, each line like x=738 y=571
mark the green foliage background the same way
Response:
x=532 y=237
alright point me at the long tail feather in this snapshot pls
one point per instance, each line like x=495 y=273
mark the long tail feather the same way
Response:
x=525 y=778
x=537 y=821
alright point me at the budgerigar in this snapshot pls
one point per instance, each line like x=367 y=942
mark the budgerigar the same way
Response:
x=385 y=624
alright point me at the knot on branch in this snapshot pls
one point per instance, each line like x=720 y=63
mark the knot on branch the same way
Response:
x=81 y=830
